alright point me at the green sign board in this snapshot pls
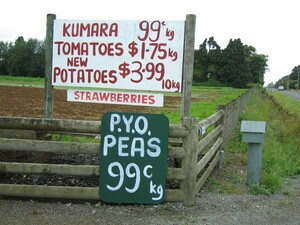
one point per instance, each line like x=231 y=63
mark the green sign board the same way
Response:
x=133 y=157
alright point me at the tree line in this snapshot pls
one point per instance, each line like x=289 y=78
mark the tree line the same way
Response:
x=290 y=81
x=237 y=65
x=22 y=58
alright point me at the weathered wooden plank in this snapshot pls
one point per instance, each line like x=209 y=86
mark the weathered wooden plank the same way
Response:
x=67 y=192
x=207 y=172
x=204 y=124
x=174 y=195
x=72 y=126
x=12 y=144
x=177 y=131
x=43 y=191
x=40 y=124
x=71 y=170
x=176 y=152
x=176 y=174
x=207 y=157
x=208 y=138
x=58 y=169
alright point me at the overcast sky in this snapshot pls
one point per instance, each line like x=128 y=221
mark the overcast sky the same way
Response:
x=272 y=27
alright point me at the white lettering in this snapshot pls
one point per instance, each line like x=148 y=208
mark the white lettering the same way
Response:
x=115 y=119
x=147 y=175
x=122 y=145
x=109 y=141
x=138 y=145
x=160 y=192
x=143 y=130
x=155 y=147
x=127 y=122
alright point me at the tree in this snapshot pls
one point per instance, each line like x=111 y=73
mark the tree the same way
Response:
x=206 y=60
x=291 y=80
x=36 y=53
x=258 y=67
x=257 y=64
x=3 y=57
x=234 y=69
x=17 y=59
x=26 y=58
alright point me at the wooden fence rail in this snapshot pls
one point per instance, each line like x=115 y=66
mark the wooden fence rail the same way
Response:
x=195 y=144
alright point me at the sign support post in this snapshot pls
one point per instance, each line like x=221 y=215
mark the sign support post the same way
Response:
x=48 y=113
x=188 y=64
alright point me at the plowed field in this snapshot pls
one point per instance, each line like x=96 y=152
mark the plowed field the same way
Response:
x=20 y=101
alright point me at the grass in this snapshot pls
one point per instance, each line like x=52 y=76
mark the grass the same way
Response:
x=287 y=103
x=22 y=81
x=281 y=150
x=204 y=102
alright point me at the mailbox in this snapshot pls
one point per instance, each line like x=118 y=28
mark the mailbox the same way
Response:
x=253 y=131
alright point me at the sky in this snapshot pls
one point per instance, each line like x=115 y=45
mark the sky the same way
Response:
x=272 y=27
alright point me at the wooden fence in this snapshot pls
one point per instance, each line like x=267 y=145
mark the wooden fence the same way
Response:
x=195 y=146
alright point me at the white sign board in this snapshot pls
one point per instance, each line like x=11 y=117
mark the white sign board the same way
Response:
x=134 y=55
x=114 y=97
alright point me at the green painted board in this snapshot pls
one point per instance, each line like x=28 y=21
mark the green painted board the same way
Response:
x=133 y=157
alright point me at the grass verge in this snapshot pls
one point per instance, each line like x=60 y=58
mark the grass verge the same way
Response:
x=281 y=150
x=287 y=103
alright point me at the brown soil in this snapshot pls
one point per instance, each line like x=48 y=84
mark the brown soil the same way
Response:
x=19 y=101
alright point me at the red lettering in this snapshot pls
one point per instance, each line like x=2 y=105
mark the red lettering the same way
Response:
x=76 y=95
x=112 y=76
x=133 y=98
x=104 y=96
x=110 y=49
x=95 y=96
x=102 y=49
x=66 y=30
x=104 y=77
x=126 y=97
x=144 y=99
x=82 y=95
x=120 y=97
x=151 y=99
x=103 y=29
x=89 y=48
x=73 y=75
x=88 y=96
x=77 y=61
x=119 y=49
x=56 y=72
x=90 y=30
x=80 y=77
x=113 y=97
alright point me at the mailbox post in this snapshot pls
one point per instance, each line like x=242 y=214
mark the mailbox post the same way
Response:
x=253 y=134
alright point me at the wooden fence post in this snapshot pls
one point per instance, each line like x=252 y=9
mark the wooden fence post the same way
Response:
x=189 y=163
x=48 y=113
x=188 y=65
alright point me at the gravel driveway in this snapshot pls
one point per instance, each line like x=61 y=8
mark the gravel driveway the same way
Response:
x=210 y=208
